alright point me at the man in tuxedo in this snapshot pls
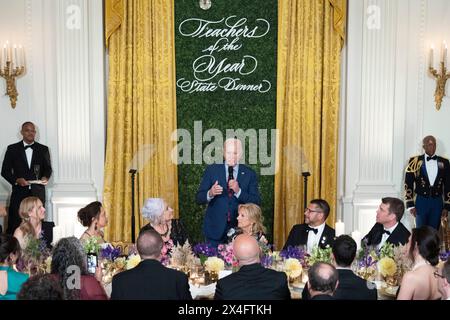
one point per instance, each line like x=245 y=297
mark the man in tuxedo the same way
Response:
x=427 y=186
x=443 y=276
x=351 y=287
x=314 y=232
x=252 y=281
x=223 y=187
x=150 y=280
x=323 y=280
x=388 y=227
x=25 y=162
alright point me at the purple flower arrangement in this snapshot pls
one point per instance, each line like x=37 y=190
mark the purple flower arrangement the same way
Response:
x=294 y=252
x=109 y=252
x=366 y=261
x=267 y=261
x=444 y=256
x=205 y=249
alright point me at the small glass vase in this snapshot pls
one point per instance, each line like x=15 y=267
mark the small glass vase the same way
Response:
x=211 y=277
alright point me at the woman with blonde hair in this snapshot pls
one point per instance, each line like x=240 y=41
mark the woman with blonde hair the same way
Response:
x=250 y=221
x=33 y=226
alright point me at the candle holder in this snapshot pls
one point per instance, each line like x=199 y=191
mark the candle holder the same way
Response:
x=441 y=80
x=12 y=66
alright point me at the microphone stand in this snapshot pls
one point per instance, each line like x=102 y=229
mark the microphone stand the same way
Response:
x=133 y=221
x=305 y=188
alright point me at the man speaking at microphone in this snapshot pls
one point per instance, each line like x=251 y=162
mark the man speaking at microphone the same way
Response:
x=223 y=187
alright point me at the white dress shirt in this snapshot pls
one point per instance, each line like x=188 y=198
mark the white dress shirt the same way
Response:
x=28 y=153
x=385 y=235
x=432 y=169
x=314 y=238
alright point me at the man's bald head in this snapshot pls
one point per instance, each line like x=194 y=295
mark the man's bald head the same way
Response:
x=246 y=249
x=149 y=244
x=322 y=278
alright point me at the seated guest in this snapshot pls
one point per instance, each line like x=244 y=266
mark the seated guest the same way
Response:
x=41 y=287
x=322 y=281
x=160 y=215
x=150 y=280
x=252 y=281
x=68 y=259
x=2 y=214
x=423 y=250
x=10 y=280
x=314 y=232
x=93 y=216
x=32 y=212
x=388 y=227
x=250 y=222
x=443 y=277
x=351 y=286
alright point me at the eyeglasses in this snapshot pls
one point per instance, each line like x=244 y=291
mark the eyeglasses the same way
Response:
x=309 y=210
x=436 y=274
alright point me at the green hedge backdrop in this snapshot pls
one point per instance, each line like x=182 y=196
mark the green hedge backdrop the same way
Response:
x=224 y=109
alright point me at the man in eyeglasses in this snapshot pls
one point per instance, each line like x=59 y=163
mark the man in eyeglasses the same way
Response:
x=443 y=276
x=314 y=232
x=427 y=186
x=27 y=168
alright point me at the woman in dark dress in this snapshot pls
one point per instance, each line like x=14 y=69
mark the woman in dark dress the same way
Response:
x=33 y=226
x=160 y=215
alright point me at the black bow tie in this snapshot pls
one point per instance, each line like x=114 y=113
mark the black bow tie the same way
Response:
x=387 y=232
x=308 y=228
x=432 y=158
x=29 y=146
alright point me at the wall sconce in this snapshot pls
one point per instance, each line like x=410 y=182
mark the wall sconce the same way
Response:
x=12 y=66
x=441 y=76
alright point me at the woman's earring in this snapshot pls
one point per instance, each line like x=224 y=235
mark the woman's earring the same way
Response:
x=95 y=227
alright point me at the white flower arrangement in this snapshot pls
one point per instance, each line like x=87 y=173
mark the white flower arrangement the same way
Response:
x=293 y=267
x=214 y=264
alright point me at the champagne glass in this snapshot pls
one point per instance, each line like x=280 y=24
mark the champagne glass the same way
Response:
x=36 y=169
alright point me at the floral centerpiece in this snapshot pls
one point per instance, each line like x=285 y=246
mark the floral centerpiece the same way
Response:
x=204 y=250
x=366 y=263
x=293 y=269
x=213 y=265
x=35 y=258
x=182 y=257
x=388 y=269
x=225 y=252
x=319 y=255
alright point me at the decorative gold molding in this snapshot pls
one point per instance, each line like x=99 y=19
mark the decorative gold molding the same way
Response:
x=10 y=74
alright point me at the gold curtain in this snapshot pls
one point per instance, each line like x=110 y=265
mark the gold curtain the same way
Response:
x=310 y=39
x=141 y=109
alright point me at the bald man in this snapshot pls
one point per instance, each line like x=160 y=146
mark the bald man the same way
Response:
x=427 y=186
x=322 y=281
x=223 y=188
x=252 y=281
x=150 y=280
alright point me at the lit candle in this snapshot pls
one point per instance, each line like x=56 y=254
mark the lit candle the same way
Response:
x=444 y=55
x=15 y=62
x=340 y=228
x=356 y=235
x=23 y=57
x=8 y=51
x=431 y=55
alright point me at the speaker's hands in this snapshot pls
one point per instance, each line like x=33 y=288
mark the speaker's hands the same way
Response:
x=215 y=190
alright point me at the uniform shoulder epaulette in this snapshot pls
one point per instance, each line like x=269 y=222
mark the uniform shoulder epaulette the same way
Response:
x=414 y=164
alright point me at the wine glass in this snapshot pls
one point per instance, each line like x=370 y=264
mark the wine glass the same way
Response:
x=36 y=169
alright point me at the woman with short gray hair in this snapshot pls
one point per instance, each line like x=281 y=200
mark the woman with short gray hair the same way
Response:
x=160 y=216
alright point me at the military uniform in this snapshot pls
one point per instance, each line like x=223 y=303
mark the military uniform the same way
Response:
x=429 y=200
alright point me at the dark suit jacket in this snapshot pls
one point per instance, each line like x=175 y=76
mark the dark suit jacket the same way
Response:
x=417 y=182
x=15 y=166
x=400 y=235
x=322 y=297
x=215 y=222
x=253 y=282
x=298 y=236
x=150 y=280
x=350 y=287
